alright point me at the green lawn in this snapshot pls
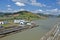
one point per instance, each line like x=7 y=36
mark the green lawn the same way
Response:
x=10 y=23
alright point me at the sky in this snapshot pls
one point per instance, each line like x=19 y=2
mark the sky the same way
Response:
x=35 y=6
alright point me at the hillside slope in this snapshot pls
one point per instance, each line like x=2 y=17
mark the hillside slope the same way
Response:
x=21 y=15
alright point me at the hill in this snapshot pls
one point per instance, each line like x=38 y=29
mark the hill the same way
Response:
x=20 y=15
x=46 y=15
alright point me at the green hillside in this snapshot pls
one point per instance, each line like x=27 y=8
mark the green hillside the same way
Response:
x=10 y=17
x=20 y=15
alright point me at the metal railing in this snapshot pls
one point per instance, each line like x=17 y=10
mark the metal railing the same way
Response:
x=52 y=34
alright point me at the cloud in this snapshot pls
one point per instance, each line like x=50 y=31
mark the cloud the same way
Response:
x=55 y=11
x=30 y=2
x=34 y=2
x=58 y=2
x=8 y=5
x=22 y=9
x=9 y=9
x=20 y=4
x=19 y=10
x=38 y=4
x=38 y=11
x=12 y=10
x=23 y=1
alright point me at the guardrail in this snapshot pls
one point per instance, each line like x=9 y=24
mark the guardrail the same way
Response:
x=52 y=34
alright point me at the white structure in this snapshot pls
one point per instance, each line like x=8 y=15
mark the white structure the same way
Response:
x=28 y=23
x=19 y=21
x=16 y=21
x=1 y=22
x=22 y=23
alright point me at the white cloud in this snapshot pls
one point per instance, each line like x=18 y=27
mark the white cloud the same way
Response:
x=22 y=10
x=58 y=2
x=38 y=4
x=20 y=4
x=30 y=2
x=34 y=2
x=9 y=9
x=22 y=1
x=37 y=11
x=51 y=11
x=19 y=10
x=8 y=5
x=40 y=10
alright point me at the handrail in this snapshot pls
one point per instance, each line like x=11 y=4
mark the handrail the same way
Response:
x=51 y=34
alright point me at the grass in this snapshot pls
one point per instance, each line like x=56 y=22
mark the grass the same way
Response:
x=7 y=25
x=24 y=15
x=10 y=23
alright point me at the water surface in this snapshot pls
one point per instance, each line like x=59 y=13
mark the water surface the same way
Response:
x=35 y=33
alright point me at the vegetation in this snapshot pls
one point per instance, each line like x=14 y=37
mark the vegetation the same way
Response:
x=46 y=15
x=20 y=15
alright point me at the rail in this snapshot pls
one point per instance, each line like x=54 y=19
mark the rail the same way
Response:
x=52 y=34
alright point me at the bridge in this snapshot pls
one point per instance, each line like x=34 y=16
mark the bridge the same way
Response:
x=53 y=34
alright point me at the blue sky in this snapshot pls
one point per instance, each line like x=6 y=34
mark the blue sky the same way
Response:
x=36 y=6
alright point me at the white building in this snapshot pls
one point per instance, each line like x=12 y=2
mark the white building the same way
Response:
x=19 y=21
x=16 y=21
x=28 y=24
x=22 y=22
x=1 y=22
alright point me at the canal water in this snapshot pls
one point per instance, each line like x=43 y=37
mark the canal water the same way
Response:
x=34 y=33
